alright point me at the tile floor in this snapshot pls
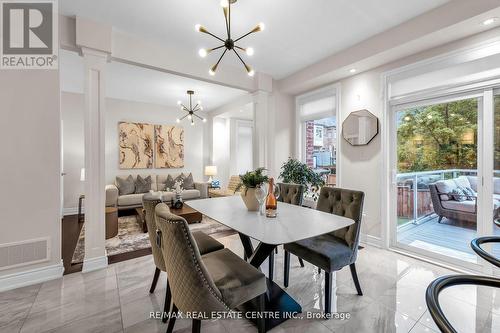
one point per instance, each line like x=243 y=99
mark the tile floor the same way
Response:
x=117 y=299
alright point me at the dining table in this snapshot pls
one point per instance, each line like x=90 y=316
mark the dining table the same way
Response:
x=292 y=223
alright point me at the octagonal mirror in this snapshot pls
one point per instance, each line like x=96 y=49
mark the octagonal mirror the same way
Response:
x=360 y=127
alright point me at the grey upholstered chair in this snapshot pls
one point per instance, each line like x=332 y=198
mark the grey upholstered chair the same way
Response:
x=205 y=243
x=217 y=281
x=331 y=252
x=291 y=194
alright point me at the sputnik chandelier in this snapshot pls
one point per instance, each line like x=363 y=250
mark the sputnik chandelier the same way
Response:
x=191 y=111
x=229 y=44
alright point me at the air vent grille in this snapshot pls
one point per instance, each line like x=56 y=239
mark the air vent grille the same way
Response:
x=24 y=253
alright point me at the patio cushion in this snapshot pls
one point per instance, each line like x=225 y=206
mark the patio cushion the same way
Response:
x=473 y=182
x=463 y=206
x=445 y=186
x=130 y=200
x=462 y=181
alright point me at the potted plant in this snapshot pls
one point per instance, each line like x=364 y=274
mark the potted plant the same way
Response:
x=295 y=172
x=249 y=181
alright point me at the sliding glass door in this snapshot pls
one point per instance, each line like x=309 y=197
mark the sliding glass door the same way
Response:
x=445 y=157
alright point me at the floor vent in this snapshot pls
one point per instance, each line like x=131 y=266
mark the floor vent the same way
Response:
x=24 y=253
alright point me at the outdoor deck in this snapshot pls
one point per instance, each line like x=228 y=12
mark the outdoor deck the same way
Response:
x=451 y=238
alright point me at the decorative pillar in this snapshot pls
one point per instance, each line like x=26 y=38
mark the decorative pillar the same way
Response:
x=94 y=121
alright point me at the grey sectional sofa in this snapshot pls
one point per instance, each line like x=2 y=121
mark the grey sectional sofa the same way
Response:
x=466 y=210
x=158 y=183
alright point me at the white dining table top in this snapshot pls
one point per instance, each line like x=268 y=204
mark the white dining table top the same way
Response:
x=292 y=224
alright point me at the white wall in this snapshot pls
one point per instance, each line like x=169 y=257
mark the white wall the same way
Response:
x=116 y=111
x=30 y=165
x=221 y=149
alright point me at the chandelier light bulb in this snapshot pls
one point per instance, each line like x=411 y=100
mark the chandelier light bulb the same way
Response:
x=179 y=102
x=192 y=123
x=224 y=3
x=211 y=72
x=190 y=117
x=250 y=51
x=261 y=26
x=199 y=102
x=203 y=53
x=204 y=120
x=177 y=120
x=198 y=27
x=201 y=108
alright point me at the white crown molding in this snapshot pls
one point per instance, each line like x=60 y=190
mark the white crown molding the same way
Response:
x=32 y=276
x=94 y=264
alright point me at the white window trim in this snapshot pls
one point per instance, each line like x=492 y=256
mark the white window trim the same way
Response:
x=330 y=90
x=485 y=89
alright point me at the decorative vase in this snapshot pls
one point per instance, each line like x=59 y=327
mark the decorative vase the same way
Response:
x=248 y=196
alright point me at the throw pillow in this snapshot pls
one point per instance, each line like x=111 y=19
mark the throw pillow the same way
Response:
x=188 y=182
x=169 y=183
x=125 y=185
x=142 y=185
x=457 y=194
x=180 y=178
x=471 y=195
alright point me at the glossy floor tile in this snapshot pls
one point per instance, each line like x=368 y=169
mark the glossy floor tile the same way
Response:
x=117 y=299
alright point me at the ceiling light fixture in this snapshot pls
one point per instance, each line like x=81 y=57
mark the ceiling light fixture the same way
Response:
x=229 y=44
x=490 y=21
x=191 y=111
x=352 y=70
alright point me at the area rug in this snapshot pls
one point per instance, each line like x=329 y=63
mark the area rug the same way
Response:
x=131 y=238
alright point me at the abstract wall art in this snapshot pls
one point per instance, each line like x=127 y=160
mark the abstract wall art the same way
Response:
x=135 y=145
x=169 y=147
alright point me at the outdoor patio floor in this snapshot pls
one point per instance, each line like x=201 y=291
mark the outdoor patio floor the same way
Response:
x=451 y=238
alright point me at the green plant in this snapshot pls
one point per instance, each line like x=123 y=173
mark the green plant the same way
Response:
x=294 y=171
x=252 y=178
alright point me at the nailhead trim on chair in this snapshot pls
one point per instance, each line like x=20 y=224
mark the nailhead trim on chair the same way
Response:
x=193 y=256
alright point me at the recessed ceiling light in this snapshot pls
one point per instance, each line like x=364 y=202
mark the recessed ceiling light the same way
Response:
x=490 y=21
x=352 y=70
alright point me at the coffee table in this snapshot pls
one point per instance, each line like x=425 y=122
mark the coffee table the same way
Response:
x=189 y=214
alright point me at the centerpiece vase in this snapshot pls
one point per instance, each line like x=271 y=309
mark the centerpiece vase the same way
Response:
x=248 y=196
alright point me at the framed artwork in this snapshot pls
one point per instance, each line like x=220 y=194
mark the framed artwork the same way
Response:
x=169 y=147
x=135 y=145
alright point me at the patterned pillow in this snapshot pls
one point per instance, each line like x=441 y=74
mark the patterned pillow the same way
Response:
x=458 y=194
x=142 y=185
x=125 y=185
x=471 y=195
x=180 y=178
x=189 y=182
x=169 y=183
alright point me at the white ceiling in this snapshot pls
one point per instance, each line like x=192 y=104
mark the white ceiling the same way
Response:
x=298 y=33
x=144 y=85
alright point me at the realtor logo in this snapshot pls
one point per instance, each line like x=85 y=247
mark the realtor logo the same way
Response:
x=29 y=34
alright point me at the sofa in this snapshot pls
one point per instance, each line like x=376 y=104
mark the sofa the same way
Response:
x=158 y=183
x=460 y=207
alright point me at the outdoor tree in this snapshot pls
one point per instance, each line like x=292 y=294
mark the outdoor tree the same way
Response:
x=438 y=137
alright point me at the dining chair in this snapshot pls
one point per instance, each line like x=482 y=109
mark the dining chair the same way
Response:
x=333 y=251
x=215 y=282
x=205 y=243
x=292 y=194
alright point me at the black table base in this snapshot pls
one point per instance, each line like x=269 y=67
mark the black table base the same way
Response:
x=280 y=306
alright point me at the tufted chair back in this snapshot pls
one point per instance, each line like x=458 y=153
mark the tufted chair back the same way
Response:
x=193 y=290
x=291 y=193
x=149 y=203
x=347 y=203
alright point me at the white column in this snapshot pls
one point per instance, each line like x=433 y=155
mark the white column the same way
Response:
x=95 y=251
x=261 y=126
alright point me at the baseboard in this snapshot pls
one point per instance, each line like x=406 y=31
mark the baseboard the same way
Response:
x=30 y=277
x=70 y=210
x=371 y=240
x=94 y=264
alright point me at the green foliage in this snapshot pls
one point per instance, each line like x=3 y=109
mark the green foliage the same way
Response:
x=294 y=171
x=253 y=178
x=441 y=136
